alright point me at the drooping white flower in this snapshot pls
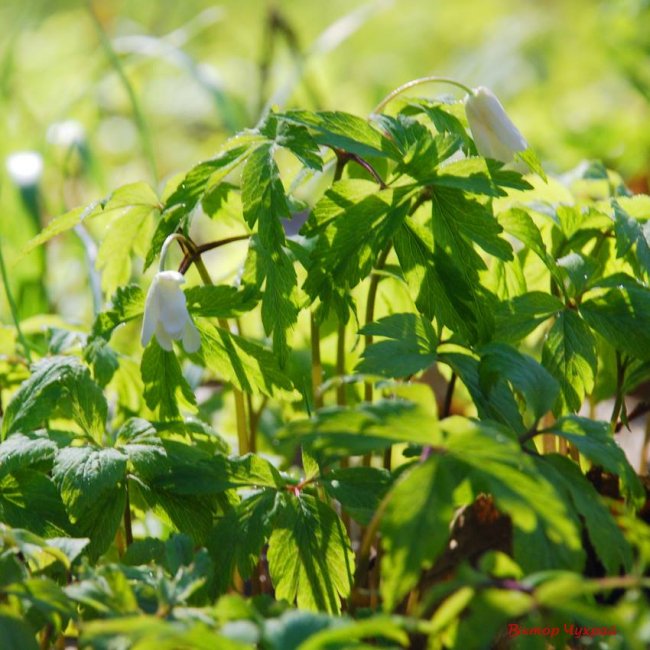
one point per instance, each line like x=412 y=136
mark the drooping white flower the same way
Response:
x=493 y=131
x=166 y=315
x=25 y=168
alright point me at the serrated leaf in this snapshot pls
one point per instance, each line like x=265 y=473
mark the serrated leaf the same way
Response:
x=439 y=287
x=415 y=526
x=295 y=138
x=58 y=385
x=220 y=301
x=359 y=490
x=245 y=364
x=344 y=131
x=607 y=539
x=529 y=157
x=143 y=447
x=310 y=559
x=594 y=440
x=519 y=316
x=29 y=500
x=61 y=224
x=134 y=206
x=569 y=355
x=621 y=316
x=526 y=376
x=165 y=389
x=91 y=483
x=411 y=348
x=126 y=304
x=480 y=176
x=19 y=451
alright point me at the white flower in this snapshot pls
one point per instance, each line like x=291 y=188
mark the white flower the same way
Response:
x=25 y=168
x=68 y=133
x=166 y=315
x=494 y=133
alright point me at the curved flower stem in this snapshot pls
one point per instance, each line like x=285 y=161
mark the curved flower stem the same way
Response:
x=204 y=248
x=418 y=82
x=192 y=249
x=14 y=309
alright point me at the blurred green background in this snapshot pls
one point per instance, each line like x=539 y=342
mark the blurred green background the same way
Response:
x=119 y=91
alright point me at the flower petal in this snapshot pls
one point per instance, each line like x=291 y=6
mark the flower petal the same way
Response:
x=191 y=337
x=163 y=338
x=151 y=313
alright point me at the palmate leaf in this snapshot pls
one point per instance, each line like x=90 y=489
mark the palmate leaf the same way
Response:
x=20 y=451
x=344 y=131
x=526 y=376
x=621 y=316
x=569 y=355
x=594 y=440
x=295 y=138
x=166 y=391
x=519 y=316
x=245 y=364
x=29 y=500
x=410 y=348
x=132 y=208
x=611 y=546
x=265 y=204
x=310 y=559
x=440 y=287
x=58 y=386
x=180 y=204
x=91 y=483
x=415 y=526
x=220 y=301
x=350 y=237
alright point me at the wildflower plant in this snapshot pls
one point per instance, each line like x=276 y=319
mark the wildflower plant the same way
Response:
x=374 y=434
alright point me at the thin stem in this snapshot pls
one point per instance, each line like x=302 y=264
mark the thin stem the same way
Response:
x=189 y=257
x=128 y=529
x=446 y=408
x=340 y=364
x=620 y=378
x=14 y=309
x=316 y=364
x=418 y=82
x=143 y=131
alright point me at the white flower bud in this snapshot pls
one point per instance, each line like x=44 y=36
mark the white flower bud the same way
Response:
x=166 y=315
x=494 y=133
x=25 y=168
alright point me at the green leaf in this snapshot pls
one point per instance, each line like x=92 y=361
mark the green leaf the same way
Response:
x=480 y=176
x=310 y=559
x=181 y=203
x=19 y=451
x=411 y=348
x=526 y=376
x=134 y=206
x=265 y=203
x=455 y=213
x=220 y=301
x=594 y=440
x=359 y=490
x=607 y=539
x=349 y=634
x=344 y=131
x=61 y=224
x=245 y=364
x=295 y=138
x=45 y=597
x=143 y=447
x=545 y=536
x=29 y=500
x=529 y=157
x=91 y=483
x=237 y=539
x=15 y=633
x=102 y=358
x=500 y=406
x=415 y=526
x=165 y=389
x=518 y=317
x=58 y=386
x=621 y=317
x=126 y=304
x=339 y=431
x=440 y=288
x=569 y=355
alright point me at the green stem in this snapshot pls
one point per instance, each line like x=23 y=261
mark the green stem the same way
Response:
x=143 y=131
x=340 y=364
x=418 y=82
x=128 y=529
x=14 y=309
x=316 y=364
x=618 y=403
